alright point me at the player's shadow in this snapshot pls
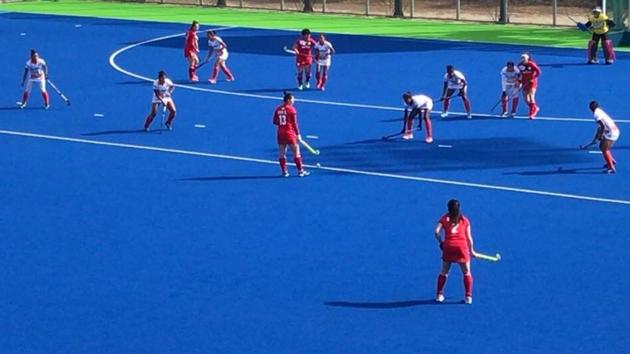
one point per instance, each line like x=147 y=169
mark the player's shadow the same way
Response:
x=385 y=305
x=560 y=171
x=228 y=178
x=117 y=132
x=267 y=90
x=562 y=65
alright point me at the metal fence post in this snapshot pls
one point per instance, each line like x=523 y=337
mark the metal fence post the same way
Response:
x=367 y=7
x=323 y=6
x=458 y=9
x=281 y=5
x=412 y=5
x=503 y=12
x=554 y=11
x=240 y=3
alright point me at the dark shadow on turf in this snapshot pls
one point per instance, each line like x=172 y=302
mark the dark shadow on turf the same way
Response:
x=560 y=171
x=115 y=132
x=269 y=90
x=227 y=178
x=389 y=304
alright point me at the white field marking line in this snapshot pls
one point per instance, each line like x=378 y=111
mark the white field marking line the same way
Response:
x=333 y=169
x=445 y=146
x=112 y=62
x=312 y=137
x=595 y=152
x=99 y=115
x=200 y=126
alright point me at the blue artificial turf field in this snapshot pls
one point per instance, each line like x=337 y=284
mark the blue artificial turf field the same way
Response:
x=115 y=240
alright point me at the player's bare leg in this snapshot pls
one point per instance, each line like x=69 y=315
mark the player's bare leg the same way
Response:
x=530 y=98
x=300 y=78
x=466 y=103
x=151 y=116
x=441 y=281
x=318 y=75
x=468 y=281
x=193 y=61
x=605 y=147
x=282 y=159
x=446 y=102
x=171 y=114
x=323 y=78
x=226 y=71
x=427 y=123
x=297 y=158
x=307 y=81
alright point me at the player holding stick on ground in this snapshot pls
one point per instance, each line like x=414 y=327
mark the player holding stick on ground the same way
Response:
x=323 y=52
x=607 y=134
x=35 y=72
x=510 y=84
x=162 y=95
x=218 y=48
x=285 y=117
x=457 y=247
x=599 y=24
x=529 y=81
x=303 y=47
x=191 y=50
x=421 y=106
x=454 y=80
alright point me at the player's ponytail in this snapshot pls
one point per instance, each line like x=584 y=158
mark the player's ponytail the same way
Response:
x=287 y=96
x=454 y=214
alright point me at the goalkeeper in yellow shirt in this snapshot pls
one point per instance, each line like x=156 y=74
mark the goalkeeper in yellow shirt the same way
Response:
x=599 y=24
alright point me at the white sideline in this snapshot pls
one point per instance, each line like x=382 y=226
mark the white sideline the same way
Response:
x=333 y=169
x=112 y=62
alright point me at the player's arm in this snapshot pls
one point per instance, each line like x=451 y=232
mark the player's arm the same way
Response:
x=45 y=69
x=24 y=76
x=599 y=133
x=332 y=49
x=295 y=124
x=276 y=119
x=210 y=52
x=536 y=71
x=469 y=240
x=610 y=23
x=444 y=87
x=438 y=235
x=295 y=47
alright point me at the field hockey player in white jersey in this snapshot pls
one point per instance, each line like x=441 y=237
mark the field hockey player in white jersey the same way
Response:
x=162 y=95
x=218 y=48
x=323 y=52
x=35 y=73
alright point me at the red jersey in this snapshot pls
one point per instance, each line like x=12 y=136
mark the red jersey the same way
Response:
x=529 y=72
x=455 y=234
x=191 y=44
x=285 y=117
x=303 y=49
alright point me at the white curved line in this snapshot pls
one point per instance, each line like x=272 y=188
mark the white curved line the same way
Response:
x=112 y=62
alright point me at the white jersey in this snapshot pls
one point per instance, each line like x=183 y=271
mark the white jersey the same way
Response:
x=421 y=102
x=323 y=52
x=164 y=90
x=611 y=131
x=455 y=81
x=509 y=79
x=217 y=45
x=36 y=70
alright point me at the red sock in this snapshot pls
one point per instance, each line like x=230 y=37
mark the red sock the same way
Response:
x=227 y=72
x=447 y=102
x=324 y=79
x=318 y=78
x=299 y=78
x=298 y=163
x=45 y=96
x=504 y=102
x=468 y=284
x=427 y=123
x=531 y=108
x=466 y=104
x=24 y=97
x=191 y=73
x=441 y=281
x=171 y=117
x=148 y=121
x=610 y=160
x=409 y=125
x=283 y=164
x=215 y=73
x=514 y=104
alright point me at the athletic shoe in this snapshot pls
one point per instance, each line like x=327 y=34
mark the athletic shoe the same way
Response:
x=407 y=136
x=592 y=61
x=609 y=62
x=230 y=79
x=504 y=114
x=212 y=81
x=428 y=140
x=300 y=87
x=146 y=129
x=303 y=173
x=47 y=106
x=469 y=115
x=322 y=88
x=169 y=126
x=285 y=174
x=513 y=114
x=611 y=171
x=444 y=114
x=194 y=78
x=468 y=300
x=21 y=105
x=439 y=298
x=307 y=85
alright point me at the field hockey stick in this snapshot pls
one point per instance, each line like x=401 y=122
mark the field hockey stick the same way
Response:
x=579 y=25
x=63 y=97
x=486 y=257
x=287 y=50
x=202 y=64
x=584 y=147
x=309 y=147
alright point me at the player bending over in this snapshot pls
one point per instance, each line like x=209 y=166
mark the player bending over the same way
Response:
x=454 y=81
x=323 y=52
x=218 y=48
x=191 y=50
x=162 y=95
x=303 y=47
x=529 y=81
x=607 y=134
x=599 y=24
x=35 y=72
x=457 y=247
x=421 y=106
x=285 y=117
x=510 y=85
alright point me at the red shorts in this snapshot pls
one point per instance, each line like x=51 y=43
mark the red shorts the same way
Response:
x=306 y=61
x=455 y=253
x=287 y=139
x=528 y=86
x=190 y=53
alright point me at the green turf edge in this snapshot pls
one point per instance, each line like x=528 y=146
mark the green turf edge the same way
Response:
x=330 y=23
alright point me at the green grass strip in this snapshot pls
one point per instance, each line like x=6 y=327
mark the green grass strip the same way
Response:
x=380 y=26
